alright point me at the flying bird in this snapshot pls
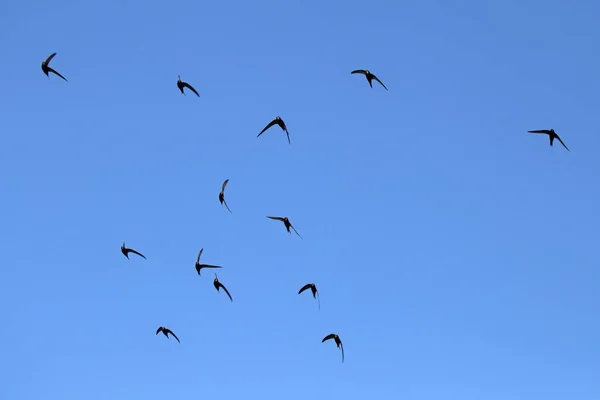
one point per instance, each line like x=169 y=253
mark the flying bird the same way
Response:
x=338 y=342
x=287 y=224
x=126 y=251
x=200 y=266
x=218 y=285
x=222 y=194
x=46 y=68
x=166 y=332
x=553 y=135
x=369 y=76
x=277 y=121
x=313 y=289
x=181 y=84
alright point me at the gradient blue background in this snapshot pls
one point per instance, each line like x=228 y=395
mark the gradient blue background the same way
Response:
x=456 y=254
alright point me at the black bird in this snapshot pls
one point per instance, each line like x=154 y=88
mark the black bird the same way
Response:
x=313 y=289
x=277 y=121
x=181 y=84
x=218 y=285
x=222 y=194
x=166 y=332
x=46 y=68
x=338 y=342
x=200 y=266
x=126 y=251
x=287 y=224
x=553 y=135
x=369 y=76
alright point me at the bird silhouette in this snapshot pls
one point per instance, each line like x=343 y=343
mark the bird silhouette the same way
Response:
x=166 y=332
x=369 y=76
x=200 y=266
x=553 y=135
x=46 y=68
x=338 y=342
x=218 y=285
x=181 y=84
x=313 y=289
x=222 y=195
x=126 y=251
x=287 y=224
x=277 y=121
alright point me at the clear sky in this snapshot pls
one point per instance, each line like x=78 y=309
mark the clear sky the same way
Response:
x=456 y=254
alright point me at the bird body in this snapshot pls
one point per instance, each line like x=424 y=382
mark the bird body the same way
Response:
x=277 y=121
x=370 y=76
x=218 y=285
x=181 y=85
x=46 y=67
x=166 y=332
x=553 y=135
x=126 y=251
x=200 y=266
x=287 y=224
x=338 y=342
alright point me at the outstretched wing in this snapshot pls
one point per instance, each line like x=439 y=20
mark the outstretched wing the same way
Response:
x=276 y=218
x=209 y=266
x=54 y=72
x=342 y=347
x=328 y=337
x=199 y=254
x=50 y=57
x=268 y=126
x=381 y=83
x=224 y=184
x=546 y=131
x=225 y=289
x=303 y=288
x=137 y=252
x=561 y=142
x=225 y=202
x=174 y=335
x=292 y=226
x=160 y=328
x=359 y=71
x=187 y=85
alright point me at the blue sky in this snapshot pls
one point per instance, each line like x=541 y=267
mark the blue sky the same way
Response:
x=455 y=253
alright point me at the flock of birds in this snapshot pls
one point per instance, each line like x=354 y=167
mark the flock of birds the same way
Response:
x=181 y=85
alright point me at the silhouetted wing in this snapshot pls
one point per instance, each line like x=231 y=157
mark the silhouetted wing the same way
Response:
x=292 y=226
x=330 y=336
x=546 y=131
x=187 y=85
x=224 y=184
x=137 y=252
x=561 y=142
x=276 y=218
x=50 y=57
x=359 y=71
x=268 y=126
x=381 y=83
x=288 y=136
x=159 y=330
x=225 y=289
x=54 y=72
x=174 y=335
x=225 y=202
x=303 y=288
x=199 y=254
x=342 y=347
x=209 y=266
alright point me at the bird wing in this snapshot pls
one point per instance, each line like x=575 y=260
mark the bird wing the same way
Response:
x=55 y=72
x=225 y=289
x=209 y=266
x=160 y=328
x=342 y=347
x=224 y=184
x=330 y=336
x=318 y=299
x=174 y=335
x=288 y=136
x=268 y=126
x=546 y=131
x=359 y=71
x=292 y=226
x=276 y=218
x=561 y=142
x=199 y=254
x=303 y=288
x=187 y=85
x=50 y=57
x=224 y=201
x=381 y=83
x=137 y=252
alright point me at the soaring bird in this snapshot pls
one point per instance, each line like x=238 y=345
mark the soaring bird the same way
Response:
x=287 y=224
x=222 y=194
x=369 y=76
x=553 y=135
x=46 y=68
x=313 y=289
x=181 y=84
x=338 y=342
x=277 y=121
x=126 y=251
x=200 y=266
x=218 y=285
x=166 y=332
